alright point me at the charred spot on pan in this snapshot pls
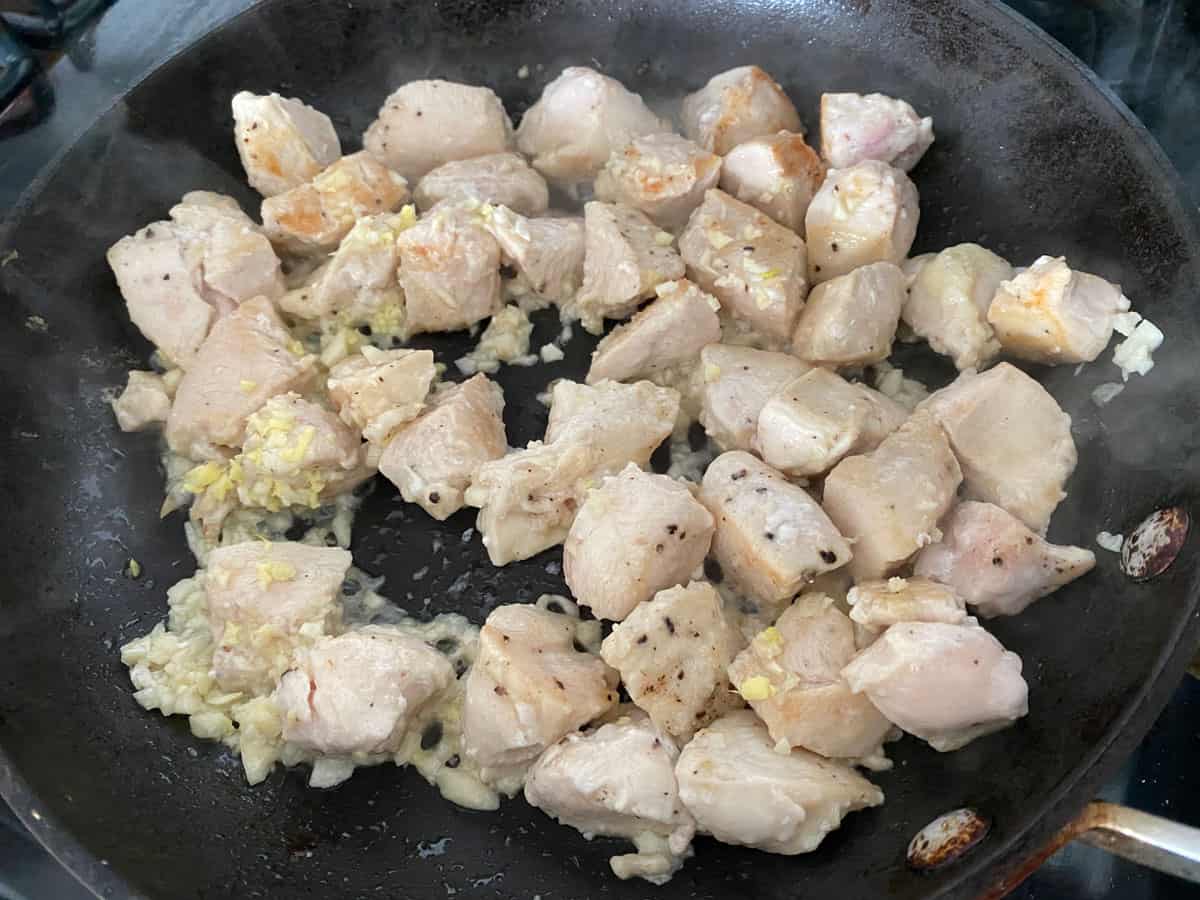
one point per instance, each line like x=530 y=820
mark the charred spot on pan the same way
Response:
x=947 y=839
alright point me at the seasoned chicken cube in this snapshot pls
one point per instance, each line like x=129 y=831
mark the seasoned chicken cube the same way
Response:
x=360 y=691
x=663 y=175
x=580 y=120
x=528 y=688
x=742 y=791
x=378 y=391
x=737 y=384
x=260 y=596
x=427 y=123
x=864 y=214
x=672 y=653
x=621 y=422
x=880 y=604
x=282 y=142
x=1051 y=313
x=626 y=257
x=144 y=402
x=946 y=684
x=888 y=502
x=546 y=252
x=735 y=106
x=772 y=538
x=1012 y=439
x=501 y=179
x=315 y=216
x=851 y=320
x=948 y=300
x=996 y=563
x=433 y=459
x=810 y=423
x=778 y=174
x=753 y=265
x=857 y=127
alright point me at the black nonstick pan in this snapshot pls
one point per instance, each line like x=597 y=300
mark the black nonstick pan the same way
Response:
x=1033 y=156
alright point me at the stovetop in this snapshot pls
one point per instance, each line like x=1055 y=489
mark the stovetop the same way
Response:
x=72 y=57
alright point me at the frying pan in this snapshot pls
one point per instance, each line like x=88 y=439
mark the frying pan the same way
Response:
x=1033 y=156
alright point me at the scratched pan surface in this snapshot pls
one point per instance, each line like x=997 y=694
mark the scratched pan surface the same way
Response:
x=1032 y=157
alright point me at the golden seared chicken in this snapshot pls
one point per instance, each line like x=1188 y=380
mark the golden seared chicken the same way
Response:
x=879 y=604
x=738 y=381
x=777 y=174
x=377 y=391
x=547 y=252
x=501 y=179
x=851 y=320
x=663 y=175
x=282 y=142
x=735 y=106
x=143 y=403
x=857 y=127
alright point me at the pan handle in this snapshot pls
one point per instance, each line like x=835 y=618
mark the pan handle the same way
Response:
x=1141 y=838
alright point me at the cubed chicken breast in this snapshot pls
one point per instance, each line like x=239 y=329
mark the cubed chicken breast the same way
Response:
x=810 y=423
x=948 y=299
x=946 y=684
x=772 y=538
x=777 y=174
x=529 y=687
x=433 y=459
x=282 y=142
x=427 y=123
x=360 y=691
x=547 y=252
x=580 y=120
x=672 y=653
x=144 y=403
x=742 y=791
x=501 y=179
x=851 y=320
x=738 y=381
x=880 y=604
x=1051 y=313
x=663 y=175
x=996 y=563
x=864 y=214
x=888 y=502
x=1012 y=439
x=260 y=594
x=735 y=106
x=858 y=127
x=622 y=422
x=750 y=262
x=378 y=391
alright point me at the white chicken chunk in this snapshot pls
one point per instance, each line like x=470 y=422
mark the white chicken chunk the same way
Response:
x=359 y=692
x=735 y=106
x=502 y=179
x=857 y=127
x=378 y=391
x=547 y=252
x=778 y=174
x=742 y=791
x=663 y=175
x=889 y=501
x=1051 y=313
x=946 y=684
x=738 y=381
x=772 y=538
x=433 y=459
x=1012 y=439
x=282 y=142
x=880 y=604
x=624 y=422
x=580 y=120
x=260 y=595
x=996 y=563
x=427 y=123
x=144 y=402
x=851 y=320
x=864 y=214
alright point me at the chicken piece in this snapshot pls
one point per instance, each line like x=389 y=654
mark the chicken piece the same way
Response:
x=948 y=300
x=528 y=688
x=791 y=677
x=635 y=535
x=880 y=604
x=1051 y=313
x=742 y=791
x=433 y=459
x=864 y=214
x=428 y=123
x=663 y=175
x=858 y=127
x=546 y=252
x=626 y=257
x=672 y=653
x=144 y=402
x=666 y=336
x=753 y=265
x=360 y=691
x=810 y=423
x=735 y=106
x=996 y=563
x=946 y=684
x=580 y=120
x=777 y=174
x=315 y=216
x=851 y=320
x=737 y=384
x=624 y=422
x=1012 y=439
x=244 y=362
x=260 y=594
x=378 y=391
x=888 y=502
x=282 y=142
x=772 y=538
x=501 y=179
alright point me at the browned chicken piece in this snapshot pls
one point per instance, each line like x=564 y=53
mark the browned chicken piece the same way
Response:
x=778 y=174
x=856 y=127
x=735 y=106
x=282 y=142
x=851 y=320
x=663 y=175
x=547 y=252
x=737 y=384
x=378 y=391
x=886 y=602
x=144 y=403
x=501 y=179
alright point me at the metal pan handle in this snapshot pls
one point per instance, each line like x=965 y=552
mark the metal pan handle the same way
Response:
x=1141 y=838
